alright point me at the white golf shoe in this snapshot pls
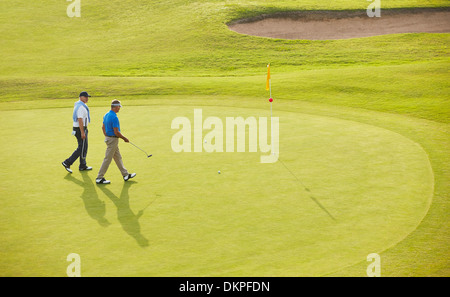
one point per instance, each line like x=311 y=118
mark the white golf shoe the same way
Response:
x=127 y=177
x=66 y=167
x=102 y=181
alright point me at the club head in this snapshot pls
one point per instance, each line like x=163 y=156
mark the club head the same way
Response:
x=149 y=156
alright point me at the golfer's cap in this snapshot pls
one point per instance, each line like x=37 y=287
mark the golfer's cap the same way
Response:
x=116 y=103
x=84 y=94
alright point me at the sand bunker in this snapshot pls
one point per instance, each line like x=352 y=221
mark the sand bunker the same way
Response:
x=325 y=25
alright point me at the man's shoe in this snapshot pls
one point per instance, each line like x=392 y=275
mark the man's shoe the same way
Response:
x=127 y=177
x=67 y=167
x=102 y=181
x=86 y=168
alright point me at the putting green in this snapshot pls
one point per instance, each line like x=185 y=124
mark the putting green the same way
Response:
x=366 y=189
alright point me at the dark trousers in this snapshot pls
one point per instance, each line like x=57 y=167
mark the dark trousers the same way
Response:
x=81 y=150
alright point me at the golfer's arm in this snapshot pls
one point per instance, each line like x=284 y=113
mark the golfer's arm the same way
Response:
x=118 y=134
x=104 y=130
x=80 y=122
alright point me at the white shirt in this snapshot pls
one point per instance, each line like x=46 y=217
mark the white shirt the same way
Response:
x=82 y=114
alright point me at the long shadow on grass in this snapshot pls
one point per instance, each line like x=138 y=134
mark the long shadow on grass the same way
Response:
x=309 y=191
x=126 y=217
x=95 y=207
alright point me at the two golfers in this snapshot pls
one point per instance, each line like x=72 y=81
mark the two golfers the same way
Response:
x=81 y=118
x=111 y=129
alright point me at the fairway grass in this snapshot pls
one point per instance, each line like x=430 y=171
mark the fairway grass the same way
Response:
x=364 y=127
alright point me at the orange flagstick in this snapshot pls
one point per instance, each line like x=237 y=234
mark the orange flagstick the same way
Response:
x=269 y=88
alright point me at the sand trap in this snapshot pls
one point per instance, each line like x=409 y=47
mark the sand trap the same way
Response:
x=325 y=25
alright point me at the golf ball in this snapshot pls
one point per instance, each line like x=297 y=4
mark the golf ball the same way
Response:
x=218 y=172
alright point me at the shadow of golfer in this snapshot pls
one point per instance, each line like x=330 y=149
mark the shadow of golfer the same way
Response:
x=127 y=218
x=95 y=207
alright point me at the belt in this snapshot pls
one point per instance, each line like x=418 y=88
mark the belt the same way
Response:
x=78 y=128
x=112 y=136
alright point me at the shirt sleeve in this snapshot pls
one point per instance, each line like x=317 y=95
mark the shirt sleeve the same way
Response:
x=115 y=123
x=81 y=113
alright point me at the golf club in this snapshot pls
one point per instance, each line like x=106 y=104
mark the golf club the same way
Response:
x=82 y=149
x=148 y=156
x=83 y=156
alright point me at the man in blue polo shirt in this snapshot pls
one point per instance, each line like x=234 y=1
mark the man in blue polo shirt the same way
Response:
x=111 y=130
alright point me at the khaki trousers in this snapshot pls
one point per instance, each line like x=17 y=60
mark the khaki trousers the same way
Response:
x=112 y=152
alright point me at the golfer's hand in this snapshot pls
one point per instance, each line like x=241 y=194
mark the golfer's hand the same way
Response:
x=83 y=136
x=126 y=139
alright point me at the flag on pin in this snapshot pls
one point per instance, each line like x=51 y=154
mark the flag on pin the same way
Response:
x=268 y=78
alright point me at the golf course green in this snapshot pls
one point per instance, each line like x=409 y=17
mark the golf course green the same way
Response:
x=363 y=146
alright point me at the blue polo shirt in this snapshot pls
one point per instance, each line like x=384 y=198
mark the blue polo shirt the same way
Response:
x=111 y=121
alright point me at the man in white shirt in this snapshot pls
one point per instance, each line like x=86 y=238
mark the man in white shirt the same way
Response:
x=81 y=118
